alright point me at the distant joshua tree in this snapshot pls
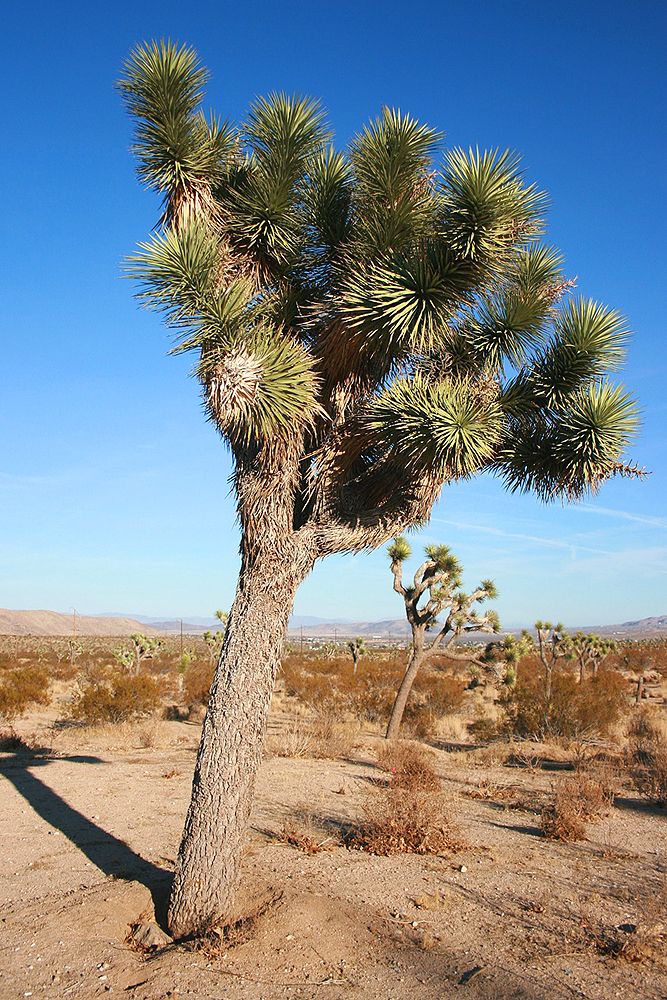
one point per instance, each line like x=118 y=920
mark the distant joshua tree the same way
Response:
x=552 y=645
x=143 y=648
x=358 y=648
x=368 y=326
x=434 y=589
x=590 y=651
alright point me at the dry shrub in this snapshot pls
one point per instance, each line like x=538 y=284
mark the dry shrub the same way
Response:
x=407 y=815
x=329 y=684
x=442 y=692
x=648 y=753
x=409 y=766
x=576 y=801
x=420 y=723
x=197 y=682
x=404 y=821
x=590 y=708
x=12 y=742
x=490 y=791
x=21 y=688
x=323 y=737
x=115 y=697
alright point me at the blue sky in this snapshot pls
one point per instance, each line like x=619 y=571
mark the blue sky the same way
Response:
x=113 y=489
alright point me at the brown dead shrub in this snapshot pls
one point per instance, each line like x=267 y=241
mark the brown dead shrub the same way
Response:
x=590 y=708
x=648 y=756
x=642 y=940
x=293 y=741
x=329 y=738
x=197 y=682
x=404 y=821
x=115 y=697
x=576 y=801
x=21 y=688
x=304 y=841
x=323 y=737
x=408 y=766
x=408 y=815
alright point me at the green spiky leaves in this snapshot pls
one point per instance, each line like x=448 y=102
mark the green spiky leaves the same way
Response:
x=399 y=550
x=487 y=206
x=449 y=428
x=401 y=307
x=399 y=320
x=282 y=136
x=588 y=341
x=260 y=389
x=570 y=451
x=180 y=152
x=444 y=559
x=394 y=199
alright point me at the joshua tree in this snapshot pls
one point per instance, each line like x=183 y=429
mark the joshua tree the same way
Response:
x=508 y=651
x=214 y=640
x=590 y=651
x=358 y=648
x=367 y=327
x=551 y=645
x=143 y=648
x=435 y=587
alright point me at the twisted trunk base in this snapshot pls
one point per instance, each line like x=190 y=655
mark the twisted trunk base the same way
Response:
x=232 y=738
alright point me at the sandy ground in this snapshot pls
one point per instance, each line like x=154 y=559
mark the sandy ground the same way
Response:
x=89 y=832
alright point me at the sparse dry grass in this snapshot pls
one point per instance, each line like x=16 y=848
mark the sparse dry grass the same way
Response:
x=642 y=940
x=648 y=755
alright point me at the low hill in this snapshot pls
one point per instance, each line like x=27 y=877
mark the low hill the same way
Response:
x=54 y=623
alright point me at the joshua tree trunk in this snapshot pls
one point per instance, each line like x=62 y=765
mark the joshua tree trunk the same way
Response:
x=417 y=657
x=233 y=733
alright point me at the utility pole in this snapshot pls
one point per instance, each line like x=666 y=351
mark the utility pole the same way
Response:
x=72 y=645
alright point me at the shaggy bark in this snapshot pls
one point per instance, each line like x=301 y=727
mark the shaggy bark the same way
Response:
x=233 y=733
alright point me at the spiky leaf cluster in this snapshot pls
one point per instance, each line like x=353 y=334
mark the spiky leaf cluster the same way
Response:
x=385 y=315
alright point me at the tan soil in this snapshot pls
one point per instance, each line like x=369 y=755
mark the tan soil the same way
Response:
x=89 y=834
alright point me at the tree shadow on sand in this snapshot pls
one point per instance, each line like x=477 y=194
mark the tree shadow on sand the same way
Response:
x=111 y=855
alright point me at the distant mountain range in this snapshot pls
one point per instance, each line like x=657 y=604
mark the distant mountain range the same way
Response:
x=310 y=626
x=54 y=623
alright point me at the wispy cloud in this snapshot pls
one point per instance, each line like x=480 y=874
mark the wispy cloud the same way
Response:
x=652 y=561
x=625 y=515
x=539 y=540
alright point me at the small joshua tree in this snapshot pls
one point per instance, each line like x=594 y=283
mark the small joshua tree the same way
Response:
x=358 y=648
x=552 y=644
x=143 y=648
x=435 y=588
x=507 y=652
x=590 y=651
x=214 y=640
